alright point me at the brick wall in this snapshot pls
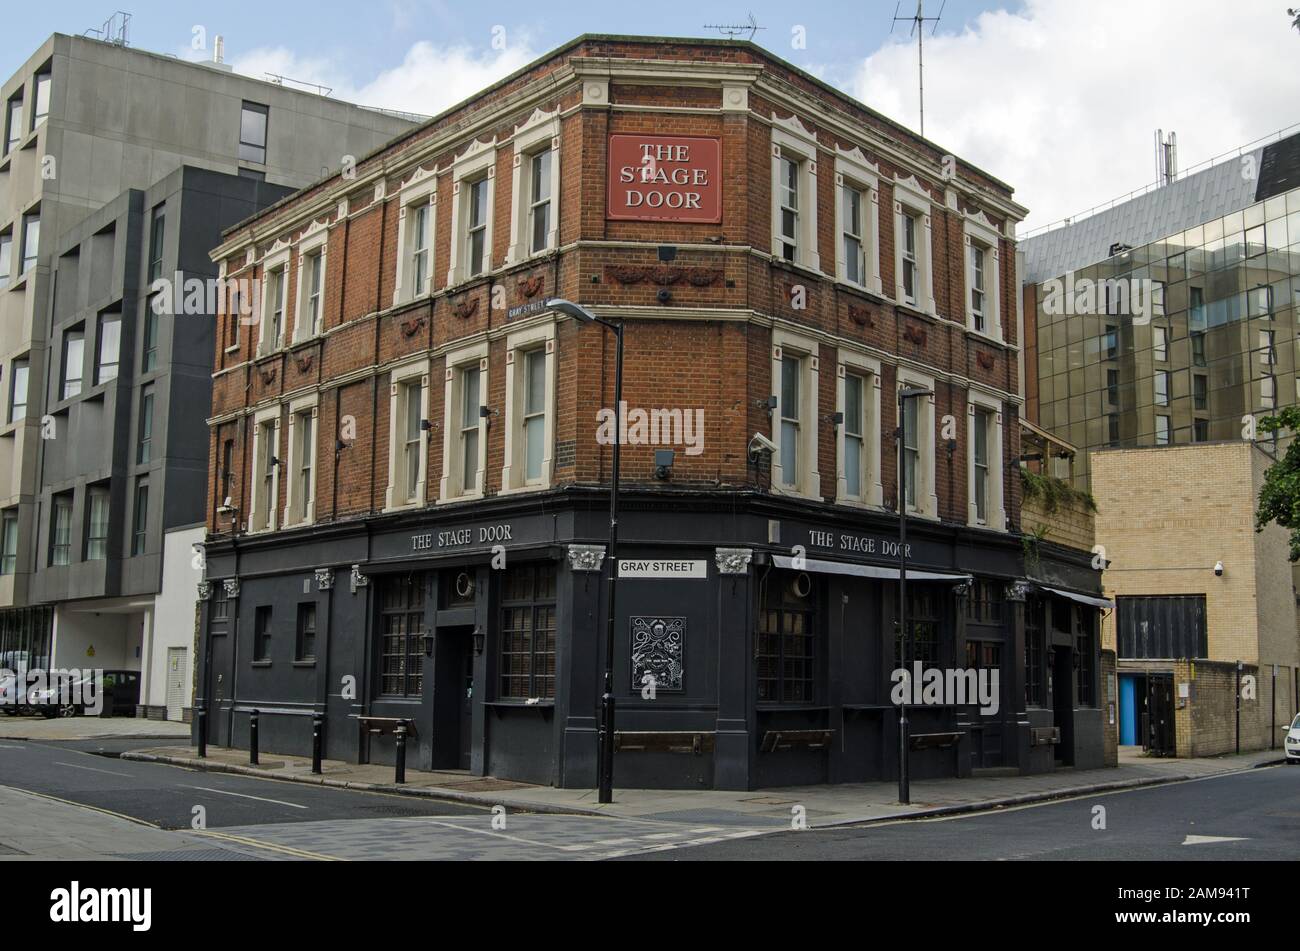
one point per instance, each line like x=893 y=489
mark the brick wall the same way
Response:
x=707 y=348
x=1206 y=720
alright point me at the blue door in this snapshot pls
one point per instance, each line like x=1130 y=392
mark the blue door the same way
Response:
x=1128 y=714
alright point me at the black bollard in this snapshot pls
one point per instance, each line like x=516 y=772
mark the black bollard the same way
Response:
x=317 y=724
x=401 y=754
x=203 y=732
x=252 y=738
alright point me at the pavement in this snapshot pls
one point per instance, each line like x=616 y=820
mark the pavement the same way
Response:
x=823 y=806
x=89 y=728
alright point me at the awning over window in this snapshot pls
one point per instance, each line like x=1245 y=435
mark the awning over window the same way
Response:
x=1087 y=599
x=865 y=571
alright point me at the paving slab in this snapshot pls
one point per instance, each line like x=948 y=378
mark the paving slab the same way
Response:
x=89 y=728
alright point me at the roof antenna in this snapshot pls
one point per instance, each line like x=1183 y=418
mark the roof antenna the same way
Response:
x=736 y=29
x=918 y=21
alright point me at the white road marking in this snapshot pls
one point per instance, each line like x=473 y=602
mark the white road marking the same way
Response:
x=222 y=792
x=1211 y=839
x=93 y=769
x=11 y=747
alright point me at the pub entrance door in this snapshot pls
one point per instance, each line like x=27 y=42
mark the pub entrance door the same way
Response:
x=1062 y=672
x=453 y=697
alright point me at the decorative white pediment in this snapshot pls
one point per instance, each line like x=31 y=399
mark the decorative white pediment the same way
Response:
x=983 y=220
x=475 y=150
x=909 y=183
x=417 y=177
x=277 y=246
x=855 y=156
x=537 y=118
x=316 y=227
x=794 y=127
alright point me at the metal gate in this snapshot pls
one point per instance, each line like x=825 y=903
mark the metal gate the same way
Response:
x=176 y=683
x=1159 y=715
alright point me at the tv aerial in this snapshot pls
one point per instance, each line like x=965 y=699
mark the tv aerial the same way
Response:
x=918 y=21
x=737 y=29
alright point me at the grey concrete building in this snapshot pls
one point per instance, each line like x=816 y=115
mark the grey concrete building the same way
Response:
x=86 y=124
x=122 y=461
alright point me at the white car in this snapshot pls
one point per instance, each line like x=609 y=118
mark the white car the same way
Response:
x=1292 y=742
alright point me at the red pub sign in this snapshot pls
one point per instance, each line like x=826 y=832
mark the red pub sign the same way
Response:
x=664 y=178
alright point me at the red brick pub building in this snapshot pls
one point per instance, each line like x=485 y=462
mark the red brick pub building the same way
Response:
x=410 y=463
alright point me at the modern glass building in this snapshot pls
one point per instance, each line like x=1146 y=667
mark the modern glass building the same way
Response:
x=1173 y=340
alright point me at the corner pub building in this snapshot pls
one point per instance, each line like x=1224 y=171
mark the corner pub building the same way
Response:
x=411 y=453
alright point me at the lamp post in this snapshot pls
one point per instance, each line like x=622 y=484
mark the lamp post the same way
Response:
x=605 y=754
x=904 y=394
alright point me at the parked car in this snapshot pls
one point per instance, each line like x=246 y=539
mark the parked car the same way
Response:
x=121 y=694
x=1292 y=743
x=9 y=693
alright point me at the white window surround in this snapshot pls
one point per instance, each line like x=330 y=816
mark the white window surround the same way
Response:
x=275 y=260
x=540 y=132
x=911 y=198
x=476 y=162
x=851 y=361
x=792 y=139
x=854 y=170
x=978 y=229
x=261 y=457
x=450 y=488
x=997 y=515
x=927 y=498
x=416 y=371
x=316 y=238
x=420 y=189
x=298 y=407
x=807 y=484
x=512 y=473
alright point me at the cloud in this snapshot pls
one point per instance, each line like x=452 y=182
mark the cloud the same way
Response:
x=1061 y=99
x=429 y=79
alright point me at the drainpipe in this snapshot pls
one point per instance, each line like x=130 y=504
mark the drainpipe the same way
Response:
x=1238 y=706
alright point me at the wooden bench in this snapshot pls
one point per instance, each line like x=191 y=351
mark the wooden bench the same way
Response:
x=664 y=741
x=384 y=726
x=1044 y=736
x=935 y=741
x=780 y=741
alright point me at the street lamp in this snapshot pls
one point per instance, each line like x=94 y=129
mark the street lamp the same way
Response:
x=905 y=394
x=605 y=755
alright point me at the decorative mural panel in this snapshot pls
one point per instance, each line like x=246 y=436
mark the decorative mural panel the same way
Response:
x=658 y=648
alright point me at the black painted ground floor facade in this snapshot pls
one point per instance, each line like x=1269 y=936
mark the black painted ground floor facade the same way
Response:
x=755 y=642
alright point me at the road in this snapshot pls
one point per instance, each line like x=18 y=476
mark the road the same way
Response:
x=126 y=809
x=133 y=803
x=1249 y=815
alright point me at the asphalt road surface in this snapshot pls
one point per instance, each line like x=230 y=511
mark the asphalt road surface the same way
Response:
x=1250 y=815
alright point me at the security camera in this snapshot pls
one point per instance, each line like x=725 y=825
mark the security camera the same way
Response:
x=759 y=445
x=1218 y=569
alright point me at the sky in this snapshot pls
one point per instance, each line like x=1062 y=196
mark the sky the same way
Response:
x=1058 y=98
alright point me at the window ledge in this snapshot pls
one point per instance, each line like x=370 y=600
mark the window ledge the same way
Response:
x=303 y=663
x=259 y=663
x=522 y=489
x=988 y=338
x=866 y=292
x=804 y=268
x=466 y=497
x=232 y=349
x=20 y=282
x=912 y=310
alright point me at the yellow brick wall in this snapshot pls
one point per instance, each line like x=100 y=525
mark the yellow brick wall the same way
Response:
x=1166 y=515
x=1072 y=524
